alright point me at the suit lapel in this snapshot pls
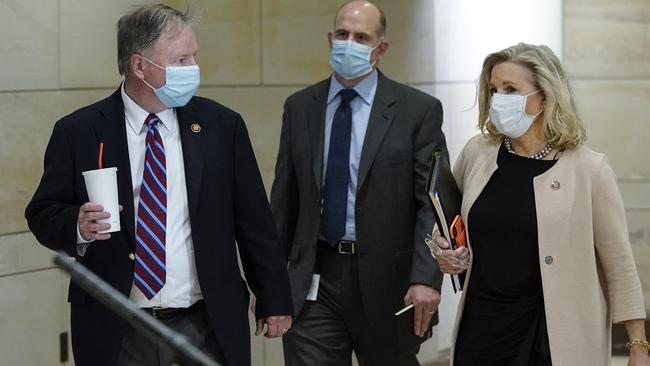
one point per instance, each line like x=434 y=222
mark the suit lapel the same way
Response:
x=111 y=130
x=381 y=117
x=316 y=126
x=192 y=133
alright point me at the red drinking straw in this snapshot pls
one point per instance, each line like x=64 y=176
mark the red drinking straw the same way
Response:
x=101 y=152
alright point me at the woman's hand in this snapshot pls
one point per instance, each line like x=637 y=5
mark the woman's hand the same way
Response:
x=445 y=256
x=638 y=357
x=638 y=353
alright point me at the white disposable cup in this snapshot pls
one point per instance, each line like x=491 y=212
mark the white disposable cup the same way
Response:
x=101 y=185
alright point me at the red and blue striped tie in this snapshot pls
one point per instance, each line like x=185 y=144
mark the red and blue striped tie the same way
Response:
x=150 y=272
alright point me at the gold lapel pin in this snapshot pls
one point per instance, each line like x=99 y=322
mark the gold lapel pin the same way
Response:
x=555 y=185
x=196 y=128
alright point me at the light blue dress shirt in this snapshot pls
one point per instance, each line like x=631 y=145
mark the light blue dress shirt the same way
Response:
x=361 y=107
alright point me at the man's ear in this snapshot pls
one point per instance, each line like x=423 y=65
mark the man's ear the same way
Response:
x=136 y=65
x=382 y=48
x=329 y=39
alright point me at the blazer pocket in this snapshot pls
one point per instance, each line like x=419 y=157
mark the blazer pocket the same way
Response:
x=294 y=254
x=404 y=260
x=394 y=160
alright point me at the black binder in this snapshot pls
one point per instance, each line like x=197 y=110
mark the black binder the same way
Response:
x=446 y=200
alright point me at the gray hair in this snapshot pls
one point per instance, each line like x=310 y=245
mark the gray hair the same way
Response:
x=140 y=29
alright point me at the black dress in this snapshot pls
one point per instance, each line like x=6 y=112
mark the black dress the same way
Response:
x=503 y=321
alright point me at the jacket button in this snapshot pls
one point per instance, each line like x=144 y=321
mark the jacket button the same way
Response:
x=548 y=259
x=555 y=185
x=132 y=256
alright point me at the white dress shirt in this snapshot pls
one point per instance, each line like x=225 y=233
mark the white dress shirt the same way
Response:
x=181 y=288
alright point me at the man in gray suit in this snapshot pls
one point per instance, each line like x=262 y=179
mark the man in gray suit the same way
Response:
x=349 y=201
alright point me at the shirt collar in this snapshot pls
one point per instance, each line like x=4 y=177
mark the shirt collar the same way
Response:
x=136 y=115
x=365 y=88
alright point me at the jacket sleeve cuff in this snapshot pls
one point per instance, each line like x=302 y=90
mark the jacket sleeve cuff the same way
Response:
x=82 y=244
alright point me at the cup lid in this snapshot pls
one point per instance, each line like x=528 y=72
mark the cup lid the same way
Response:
x=113 y=168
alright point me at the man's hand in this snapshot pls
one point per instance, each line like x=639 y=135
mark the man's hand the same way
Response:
x=425 y=300
x=88 y=227
x=276 y=326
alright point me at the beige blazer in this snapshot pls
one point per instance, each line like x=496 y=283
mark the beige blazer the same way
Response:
x=589 y=278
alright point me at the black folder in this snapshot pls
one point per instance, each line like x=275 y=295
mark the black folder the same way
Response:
x=446 y=200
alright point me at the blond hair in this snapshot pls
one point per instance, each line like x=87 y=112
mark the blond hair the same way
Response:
x=561 y=124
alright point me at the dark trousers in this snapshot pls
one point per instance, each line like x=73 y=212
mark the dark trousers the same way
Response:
x=542 y=361
x=327 y=330
x=138 y=350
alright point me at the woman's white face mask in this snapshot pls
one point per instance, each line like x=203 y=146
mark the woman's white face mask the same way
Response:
x=508 y=114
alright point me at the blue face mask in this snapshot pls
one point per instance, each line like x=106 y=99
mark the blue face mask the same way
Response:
x=181 y=83
x=350 y=59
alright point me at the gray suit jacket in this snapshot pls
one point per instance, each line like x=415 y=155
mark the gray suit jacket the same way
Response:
x=392 y=211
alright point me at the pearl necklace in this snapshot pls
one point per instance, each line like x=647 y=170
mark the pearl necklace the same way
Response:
x=538 y=156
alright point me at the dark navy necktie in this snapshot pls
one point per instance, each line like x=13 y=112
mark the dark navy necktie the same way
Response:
x=337 y=175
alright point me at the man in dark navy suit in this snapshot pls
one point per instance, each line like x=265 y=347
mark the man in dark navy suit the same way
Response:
x=190 y=188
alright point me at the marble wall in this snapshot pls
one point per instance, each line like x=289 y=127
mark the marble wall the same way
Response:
x=607 y=53
x=59 y=55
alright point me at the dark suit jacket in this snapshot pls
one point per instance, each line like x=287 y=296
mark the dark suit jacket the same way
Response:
x=227 y=202
x=392 y=211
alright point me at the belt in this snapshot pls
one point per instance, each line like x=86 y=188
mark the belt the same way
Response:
x=342 y=247
x=167 y=313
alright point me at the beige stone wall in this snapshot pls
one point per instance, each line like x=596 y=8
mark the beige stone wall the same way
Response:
x=607 y=52
x=59 y=55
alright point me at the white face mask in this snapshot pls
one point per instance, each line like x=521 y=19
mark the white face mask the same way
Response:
x=508 y=114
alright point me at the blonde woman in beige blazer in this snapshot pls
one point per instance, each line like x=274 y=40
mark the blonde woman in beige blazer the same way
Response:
x=550 y=266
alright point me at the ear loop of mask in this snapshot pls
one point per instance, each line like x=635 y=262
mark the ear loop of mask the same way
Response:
x=155 y=64
x=372 y=49
x=160 y=67
x=540 y=110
